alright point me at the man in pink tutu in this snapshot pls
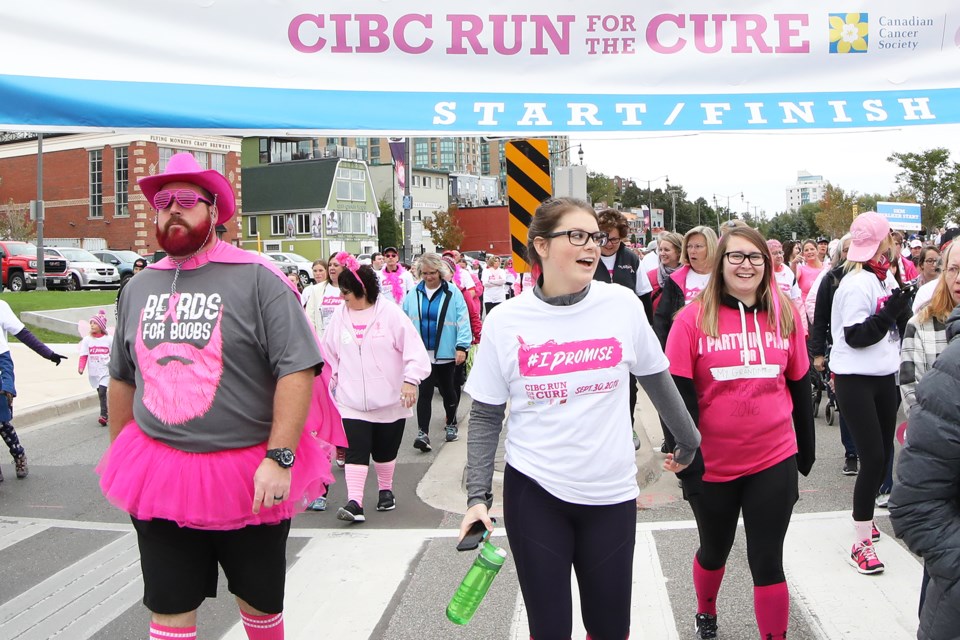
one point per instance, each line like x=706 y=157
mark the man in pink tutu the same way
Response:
x=208 y=452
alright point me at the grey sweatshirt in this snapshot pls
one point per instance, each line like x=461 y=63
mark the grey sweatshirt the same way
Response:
x=486 y=422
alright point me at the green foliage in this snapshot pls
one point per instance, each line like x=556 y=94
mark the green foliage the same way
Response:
x=388 y=228
x=43 y=300
x=444 y=229
x=783 y=225
x=932 y=179
x=601 y=188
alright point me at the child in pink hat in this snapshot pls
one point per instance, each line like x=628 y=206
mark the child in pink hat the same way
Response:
x=95 y=351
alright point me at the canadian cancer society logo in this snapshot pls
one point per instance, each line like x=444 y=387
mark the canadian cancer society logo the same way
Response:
x=849 y=32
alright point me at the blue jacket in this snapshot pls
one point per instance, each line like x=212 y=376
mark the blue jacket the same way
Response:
x=443 y=321
x=7 y=385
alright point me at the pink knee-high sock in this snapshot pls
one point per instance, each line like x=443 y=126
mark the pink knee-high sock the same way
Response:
x=160 y=632
x=385 y=473
x=707 y=585
x=268 y=627
x=771 y=604
x=356 y=475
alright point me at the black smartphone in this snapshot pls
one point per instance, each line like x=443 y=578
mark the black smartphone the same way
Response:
x=477 y=534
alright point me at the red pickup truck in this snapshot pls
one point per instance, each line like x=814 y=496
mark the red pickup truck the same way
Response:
x=19 y=267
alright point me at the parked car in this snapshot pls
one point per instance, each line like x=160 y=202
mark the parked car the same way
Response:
x=123 y=260
x=19 y=267
x=304 y=266
x=86 y=271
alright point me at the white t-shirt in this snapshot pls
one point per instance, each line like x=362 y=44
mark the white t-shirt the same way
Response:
x=10 y=323
x=642 y=285
x=696 y=282
x=565 y=376
x=386 y=289
x=494 y=285
x=788 y=283
x=924 y=295
x=859 y=296
x=97 y=351
x=650 y=261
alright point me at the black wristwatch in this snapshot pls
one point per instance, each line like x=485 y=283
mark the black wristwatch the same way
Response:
x=283 y=457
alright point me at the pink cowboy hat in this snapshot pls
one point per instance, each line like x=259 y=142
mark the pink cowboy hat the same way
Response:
x=183 y=167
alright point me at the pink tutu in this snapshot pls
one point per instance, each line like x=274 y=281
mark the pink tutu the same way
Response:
x=148 y=480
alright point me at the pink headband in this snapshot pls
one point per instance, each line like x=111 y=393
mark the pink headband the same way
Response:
x=350 y=263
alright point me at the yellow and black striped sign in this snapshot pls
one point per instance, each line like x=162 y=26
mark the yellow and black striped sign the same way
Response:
x=528 y=184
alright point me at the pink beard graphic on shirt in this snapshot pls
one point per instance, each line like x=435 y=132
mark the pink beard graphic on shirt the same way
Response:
x=180 y=380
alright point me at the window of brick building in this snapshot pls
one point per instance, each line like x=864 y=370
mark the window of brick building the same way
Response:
x=121 y=181
x=96 y=183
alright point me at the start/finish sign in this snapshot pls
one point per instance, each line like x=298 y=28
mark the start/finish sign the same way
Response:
x=904 y=216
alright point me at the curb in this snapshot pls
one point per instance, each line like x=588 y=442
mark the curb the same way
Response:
x=33 y=416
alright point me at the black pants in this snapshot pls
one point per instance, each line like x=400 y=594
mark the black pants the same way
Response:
x=869 y=404
x=377 y=440
x=441 y=377
x=547 y=536
x=102 y=392
x=766 y=499
x=487 y=306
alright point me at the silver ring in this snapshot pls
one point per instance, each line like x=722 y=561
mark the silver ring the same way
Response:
x=278 y=497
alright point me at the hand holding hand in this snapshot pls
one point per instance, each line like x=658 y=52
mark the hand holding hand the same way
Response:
x=669 y=464
x=271 y=485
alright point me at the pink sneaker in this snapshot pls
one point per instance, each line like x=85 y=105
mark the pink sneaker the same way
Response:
x=864 y=557
x=102 y=421
x=874 y=533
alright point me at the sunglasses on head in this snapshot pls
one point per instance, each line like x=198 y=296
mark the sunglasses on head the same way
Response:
x=185 y=198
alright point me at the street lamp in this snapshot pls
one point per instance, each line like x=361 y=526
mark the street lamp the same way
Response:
x=569 y=171
x=715 y=196
x=650 y=200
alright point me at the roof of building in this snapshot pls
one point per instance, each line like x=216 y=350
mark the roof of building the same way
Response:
x=286 y=186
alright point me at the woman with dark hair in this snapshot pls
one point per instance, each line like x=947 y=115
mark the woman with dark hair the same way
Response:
x=570 y=487
x=738 y=357
x=928 y=263
x=376 y=360
x=791 y=254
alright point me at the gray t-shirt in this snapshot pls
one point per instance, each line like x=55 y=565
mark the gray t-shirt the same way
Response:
x=206 y=368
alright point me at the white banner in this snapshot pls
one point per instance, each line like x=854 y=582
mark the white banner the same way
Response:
x=501 y=67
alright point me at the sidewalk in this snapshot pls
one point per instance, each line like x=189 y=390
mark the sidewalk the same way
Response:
x=46 y=391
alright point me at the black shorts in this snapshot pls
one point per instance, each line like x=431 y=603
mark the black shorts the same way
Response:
x=180 y=564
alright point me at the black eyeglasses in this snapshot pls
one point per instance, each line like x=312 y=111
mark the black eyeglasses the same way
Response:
x=737 y=257
x=579 y=237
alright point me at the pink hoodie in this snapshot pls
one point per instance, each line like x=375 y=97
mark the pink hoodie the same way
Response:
x=367 y=376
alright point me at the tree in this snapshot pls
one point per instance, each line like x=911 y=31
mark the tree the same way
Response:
x=836 y=211
x=600 y=188
x=934 y=181
x=15 y=223
x=389 y=227
x=784 y=225
x=444 y=229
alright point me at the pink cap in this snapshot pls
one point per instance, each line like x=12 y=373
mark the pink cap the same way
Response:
x=867 y=233
x=774 y=245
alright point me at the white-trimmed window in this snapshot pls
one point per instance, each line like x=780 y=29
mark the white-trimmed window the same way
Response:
x=252 y=228
x=165 y=154
x=351 y=185
x=278 y=224
x=96 y=183
x=201 y=158
x=121 y=181
x=303 y=224
x=218 y=162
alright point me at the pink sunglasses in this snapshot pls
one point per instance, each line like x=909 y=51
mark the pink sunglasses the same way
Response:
x=185 y=198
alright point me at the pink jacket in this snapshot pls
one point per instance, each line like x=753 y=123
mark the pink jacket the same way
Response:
x=366 y=377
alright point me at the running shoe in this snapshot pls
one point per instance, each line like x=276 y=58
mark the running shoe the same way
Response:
x=452 y=433
x=102 y=420
x=20 y=462
x=864 y=557
x=882 y=499
x=664 y=449
x=320 y=504
x=636 y=440
x=874 y=533
x=422 y=442
x=386 y=502
x=851 y=466
x=1 y=476
x=341 y=457
x=706 y=625
x=351 y=512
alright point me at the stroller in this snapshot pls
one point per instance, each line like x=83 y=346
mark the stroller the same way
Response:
x=822 y=381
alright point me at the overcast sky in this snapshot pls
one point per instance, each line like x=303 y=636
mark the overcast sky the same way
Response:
x=762 y=165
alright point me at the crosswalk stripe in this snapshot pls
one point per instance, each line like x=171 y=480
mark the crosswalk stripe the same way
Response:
x=821 y=581
x=11 y=534
x=356 y=571
x=651 y=615
x=79 y=600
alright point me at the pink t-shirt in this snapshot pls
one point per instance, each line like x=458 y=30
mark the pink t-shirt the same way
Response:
x=805 y=277
x=745 y=412
x=360 y=320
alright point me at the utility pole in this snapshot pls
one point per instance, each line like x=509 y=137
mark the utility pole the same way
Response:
x=41 y=271
x=407 y=205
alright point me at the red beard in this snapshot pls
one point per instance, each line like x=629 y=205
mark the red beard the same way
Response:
x=180 y=240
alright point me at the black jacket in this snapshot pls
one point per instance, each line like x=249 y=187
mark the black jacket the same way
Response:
x=820 y=330
x=626 y=270
x=671 y=301
x=925 y=503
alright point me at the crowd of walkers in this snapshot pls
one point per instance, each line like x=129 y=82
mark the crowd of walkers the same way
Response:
x=723 y=330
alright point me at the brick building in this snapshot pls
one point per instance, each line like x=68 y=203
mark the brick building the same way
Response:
x=90 y=183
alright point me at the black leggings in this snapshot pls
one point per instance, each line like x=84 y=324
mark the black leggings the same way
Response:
x=441 y=377
x=547 y=536
x=487 y=306
x=377 y=440
x=869 y=404
x=766 y=499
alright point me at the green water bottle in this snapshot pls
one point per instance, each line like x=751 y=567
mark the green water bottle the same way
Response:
x=475 y=584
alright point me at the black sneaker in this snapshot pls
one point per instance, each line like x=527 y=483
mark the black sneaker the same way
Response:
x=850 y=467
x=452 y=435
x=422 y=442
x=386 y=502
x=1 y=476
x=706 y=625
x=351 y=512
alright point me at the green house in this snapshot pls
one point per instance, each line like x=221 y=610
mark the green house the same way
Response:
x=313 y=208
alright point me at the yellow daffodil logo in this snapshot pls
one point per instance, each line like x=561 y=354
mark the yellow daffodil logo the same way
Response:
x=849 y=32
